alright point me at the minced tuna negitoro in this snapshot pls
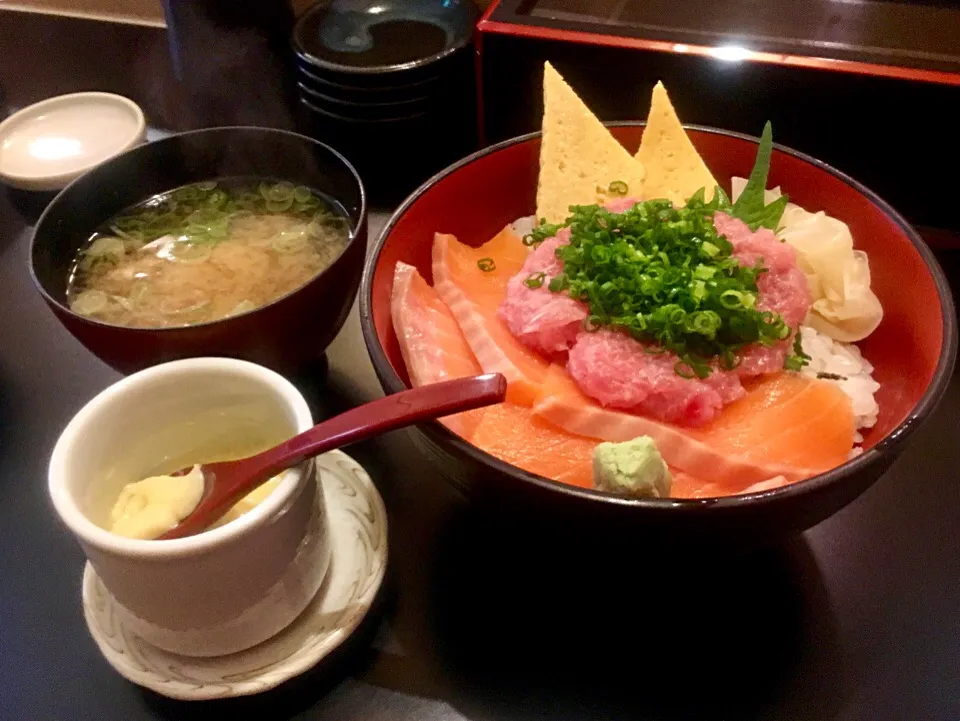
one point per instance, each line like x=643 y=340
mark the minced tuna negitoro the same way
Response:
x=659 y=307
x=693 y=311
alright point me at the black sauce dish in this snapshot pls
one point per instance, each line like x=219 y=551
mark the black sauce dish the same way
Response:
x=393 y=83
x=285 y=334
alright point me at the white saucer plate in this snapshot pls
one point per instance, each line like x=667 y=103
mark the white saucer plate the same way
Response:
x=358 y=532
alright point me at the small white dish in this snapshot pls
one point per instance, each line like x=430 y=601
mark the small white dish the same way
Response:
x=47 y=145
x=358 y=536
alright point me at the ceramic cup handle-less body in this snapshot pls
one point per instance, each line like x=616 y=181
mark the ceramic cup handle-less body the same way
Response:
x=227 y=589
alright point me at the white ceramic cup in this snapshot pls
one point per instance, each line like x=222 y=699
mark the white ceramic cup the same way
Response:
x=226 y=589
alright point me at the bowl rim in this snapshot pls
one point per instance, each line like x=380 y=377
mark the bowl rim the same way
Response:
x=86 y=531
x=56 y=181
x=174 y=137
x=887 y=446
x=312 y=107
x=313 y=61
x=307 y=71
x=304 y=88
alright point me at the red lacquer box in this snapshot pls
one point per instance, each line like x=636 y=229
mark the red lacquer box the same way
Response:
x=869 y=87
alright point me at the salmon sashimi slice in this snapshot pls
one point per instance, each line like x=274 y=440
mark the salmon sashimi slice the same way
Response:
x=788 y=419
x=687 y=486
x=563 y=404
x=431 y=342
x=474 y=295
x=516 y=436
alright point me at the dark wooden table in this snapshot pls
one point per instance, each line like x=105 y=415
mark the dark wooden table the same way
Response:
x=857 y=619
x=480 y=619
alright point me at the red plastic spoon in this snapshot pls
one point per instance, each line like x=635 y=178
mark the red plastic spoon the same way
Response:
x=227 y=482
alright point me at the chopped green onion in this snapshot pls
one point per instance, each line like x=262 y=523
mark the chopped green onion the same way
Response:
x=202 y=213
x=190 y=252
x=666 y=277
x=89 y=302
x=486 y=265
x=592 y=323
x=277 y=192
x=798 y=359
x=700 y=368
x=217 y=199
x=683 y=370
x=543 y=231
x=732 y=299
x=558 y=283
x=618 y=187
x=107 y=247
x=729 y=360
x=189 y=193
x=280 y=206
x=704 y=272
x=704 y=322
x=535 y=280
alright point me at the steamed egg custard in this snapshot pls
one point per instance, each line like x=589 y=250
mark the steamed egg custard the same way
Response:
x=149 y=508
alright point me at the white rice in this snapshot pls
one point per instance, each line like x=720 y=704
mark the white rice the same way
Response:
x=834 y=358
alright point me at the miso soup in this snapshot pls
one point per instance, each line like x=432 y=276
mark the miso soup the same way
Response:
x=204 y=252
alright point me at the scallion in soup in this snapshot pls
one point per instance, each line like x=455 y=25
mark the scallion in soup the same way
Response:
x=204 y=252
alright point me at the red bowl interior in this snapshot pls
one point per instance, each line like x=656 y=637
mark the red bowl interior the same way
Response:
x=475 y=201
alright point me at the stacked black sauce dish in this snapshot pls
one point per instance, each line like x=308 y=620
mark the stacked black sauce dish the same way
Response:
x=391 y=84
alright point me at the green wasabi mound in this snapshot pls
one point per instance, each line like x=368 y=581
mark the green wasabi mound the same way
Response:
x=632 y=468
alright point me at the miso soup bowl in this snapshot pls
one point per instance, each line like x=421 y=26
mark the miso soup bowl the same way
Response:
x=284 y=334
x=228 y=588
